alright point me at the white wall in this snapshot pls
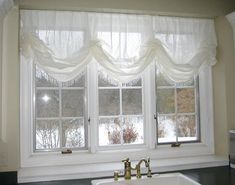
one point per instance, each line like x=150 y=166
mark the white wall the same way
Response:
x=224 y=85
x=198 y=8
x=9 y=150
x=1 y=129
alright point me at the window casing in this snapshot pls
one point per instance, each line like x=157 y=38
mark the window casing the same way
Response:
x=93 y=156
x=113 y=131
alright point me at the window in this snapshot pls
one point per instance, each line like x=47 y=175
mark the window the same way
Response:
x=94 y=113
x=61 y=119
x=121 y=118
x=59 y=113
x=93 y=150
x=177 y=111
x=101 y=120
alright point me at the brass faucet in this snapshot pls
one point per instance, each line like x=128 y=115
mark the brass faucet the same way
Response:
x=147 y=165
x=128 y=168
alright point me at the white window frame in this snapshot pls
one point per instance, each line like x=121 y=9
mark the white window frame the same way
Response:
x=34 y=166
x=196 y=113
x=93 y=114
x=122 y=145
x=59 y=88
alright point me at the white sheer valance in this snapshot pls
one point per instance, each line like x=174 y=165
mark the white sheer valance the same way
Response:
x=63 y=43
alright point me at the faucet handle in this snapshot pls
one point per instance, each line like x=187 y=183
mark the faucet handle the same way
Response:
x=126 y=160
x=116 y=175
x=148 y=159
x=149 y=174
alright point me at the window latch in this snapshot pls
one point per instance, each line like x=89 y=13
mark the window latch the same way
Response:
x=175 y=144
x=66 y=151
x=155 y=117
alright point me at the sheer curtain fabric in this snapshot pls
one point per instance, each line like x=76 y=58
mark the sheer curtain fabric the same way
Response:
x=62 y=43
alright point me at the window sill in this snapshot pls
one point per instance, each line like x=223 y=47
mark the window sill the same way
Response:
x=57 y=166
x=42 y=159
x=62 y=172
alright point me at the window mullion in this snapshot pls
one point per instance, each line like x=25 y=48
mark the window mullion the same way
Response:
x=33 y=110
x=197 y=107
x=85 y=112
x=149 y=106
x=92 y=88
x=176 y=113
x=60 y=115
x=121 y=115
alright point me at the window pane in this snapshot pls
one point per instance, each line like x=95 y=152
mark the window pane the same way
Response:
x=105 y=81
x=132 y=101
x=109 y=131
x=79 y=82
x=187 y=130
x=133 y=131
x=186 y=100
x=47 y=134
x=165 y=100
x=166 y=129
x=72 y=103
x=73 y=133
x=124 y=129
x=188 y=83
x=47 y=103
x=137 y=82
x=109 y=102
x=42 y=79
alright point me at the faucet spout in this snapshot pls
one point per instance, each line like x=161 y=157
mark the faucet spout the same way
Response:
x=147 y=165
x=143 y=160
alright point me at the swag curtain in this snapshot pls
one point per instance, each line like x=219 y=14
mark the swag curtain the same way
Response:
x=62 y=43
